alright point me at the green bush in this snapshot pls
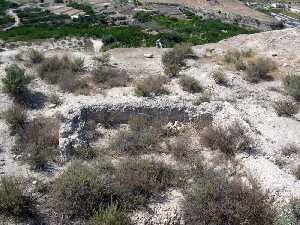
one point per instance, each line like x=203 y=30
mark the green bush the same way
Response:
x=190 y=84
x=108 y=39
x=109 y=77
x=216 y=199
x=228 y=139
x=292 y=85
x=35 y=56
x=12 y=200
x=15 y=81
x=109 y=216
x=285 y=107
x=79 y=191
x=173 y=60
x=15 y=117
x=151 y=86
x=259 y=69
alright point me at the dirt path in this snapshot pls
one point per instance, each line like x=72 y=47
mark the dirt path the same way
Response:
x=15 y=16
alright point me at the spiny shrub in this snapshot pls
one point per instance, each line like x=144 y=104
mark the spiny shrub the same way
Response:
x=292 y=85
x=35 y=56
x=78 y=192
x=110 y=77
x=15 y=117
x=259 y=69
x=173 y=60
x=151 y=86
x=216 y=199
x=15 y=81
x=190 y=84
x=12 y=200
x=228 y=139
x=136 y=180
x=286 y=107
x=109 y=216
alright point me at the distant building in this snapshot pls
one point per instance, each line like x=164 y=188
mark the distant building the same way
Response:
x=61 y=9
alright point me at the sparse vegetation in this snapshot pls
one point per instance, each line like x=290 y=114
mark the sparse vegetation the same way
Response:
x=216 y=199
x=190 y=84
x=220 y=77
x=109 y=77
x=292 y=85
x=15 y=117
x=151 y=86
x=237 y=57
x=13 y=202
x=173 y=60
x=229 y=139
x=35 y=56
x=286 y=107
x=180 y=147
x=15 y=81
x=259 y=69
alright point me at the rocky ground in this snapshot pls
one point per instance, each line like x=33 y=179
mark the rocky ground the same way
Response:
x=251 y=104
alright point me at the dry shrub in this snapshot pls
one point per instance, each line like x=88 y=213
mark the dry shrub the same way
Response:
x=286 y=107
x=151 y=86
x=292 y=85
x=205 y=97
x=15 y=117
x=137 y=180
x=216 y=199
x=289 y=150
x=55 y=99
x=237 y=57
x=62 y=71
x=259 y=69
x=39 y=142
x=137 y=140
x=180 y=147
x=35 y=56
x=220 y=77
x=79 y=191
x=228 y=139
x=190 y=84
x=232 y=56
x=297 y=172
x=112 y=215
x=173 y=60
x=109 y=77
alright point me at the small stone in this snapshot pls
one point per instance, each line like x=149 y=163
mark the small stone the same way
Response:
x=52 y=106
x=148 y=55
x=34 y=182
